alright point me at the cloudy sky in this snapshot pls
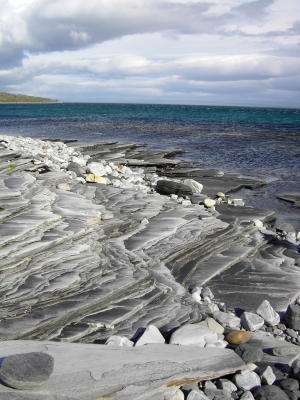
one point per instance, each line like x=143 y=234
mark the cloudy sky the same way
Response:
x=227 y=52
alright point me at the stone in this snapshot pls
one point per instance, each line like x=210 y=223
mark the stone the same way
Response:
x=213 y=325
x=194 y=185
x=217 y=394
x=78 y=160
x=267 y=376
x=258 y=223
x=63 y=186
x=247 y=396
x=75 y=167
x=101 y=179
x=208 y=203
x=289 y=384
x=251 y=322
x=220 y=194
x=249 y=353
x=206 y=292
x=270 y=392
x=119 y=341
x=197 y=395
x=178 y=395
x=266 y=311
x=90 y=178
x=226 y=384
x=296 y=368
x=292 y=316
x=252 y=367
x=285 y=351
x=228 y=319
x=247 y=380
x=292 y=395
x=151 y=335
x=238 y=337
x=96 y=169
x=170 y=187
x=26 y=371
x=193 y=335
x=292 y=333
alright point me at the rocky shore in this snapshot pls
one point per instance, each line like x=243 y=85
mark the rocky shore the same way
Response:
x=128 y=274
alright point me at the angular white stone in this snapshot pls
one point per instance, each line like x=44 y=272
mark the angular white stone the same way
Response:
x=194 y=185
x=267 y=376
x=209 y=203
x=193 y=335
x=258 y=223
x=266 y=311
x=96 y=169
x=151 y=335
x=247 y=380
x=78 y=160
x=119 y=341
x=251 y=322
x=226 y=384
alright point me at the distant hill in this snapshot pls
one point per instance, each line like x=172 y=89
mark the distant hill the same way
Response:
x=22 y=98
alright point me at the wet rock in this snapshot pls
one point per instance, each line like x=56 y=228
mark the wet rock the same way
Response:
x=292 y=316
x=249 y=353
x=266 y=311
x=251 y=322
x=270 y=393
x=238 y=337
x=26 y=371
x=151 y=335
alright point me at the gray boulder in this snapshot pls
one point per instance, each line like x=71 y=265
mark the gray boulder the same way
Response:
x=289 y=384
x=26 y=371
x=292 y=316
x=249 y=353
x=270 y=392
x=170 y=187
x=78 y=169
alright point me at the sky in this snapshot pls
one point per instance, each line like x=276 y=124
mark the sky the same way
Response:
x=218 y=52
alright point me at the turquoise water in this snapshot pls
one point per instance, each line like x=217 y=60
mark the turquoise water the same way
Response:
x=255 y=141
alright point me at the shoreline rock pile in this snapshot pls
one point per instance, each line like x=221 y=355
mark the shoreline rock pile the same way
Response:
x=110 y=244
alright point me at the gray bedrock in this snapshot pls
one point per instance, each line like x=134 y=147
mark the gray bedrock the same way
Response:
x=99 y=260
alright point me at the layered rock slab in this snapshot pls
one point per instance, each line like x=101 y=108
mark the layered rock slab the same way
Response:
x=86 y=372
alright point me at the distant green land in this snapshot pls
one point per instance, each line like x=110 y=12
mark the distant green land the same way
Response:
x=22 y=98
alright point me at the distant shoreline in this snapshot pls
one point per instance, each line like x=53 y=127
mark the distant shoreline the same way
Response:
x=31 y=102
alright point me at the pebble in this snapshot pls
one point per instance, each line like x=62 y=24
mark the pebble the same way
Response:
x=209 y=203
x=267 y=376
x=289 y=384
x=238 y=337
x=226 y=384
x=251 y=322
x=247 y=380
x=63 y=186
x=119 y=341
x=197 y=395
x=247 y=396
x=151 y=335
x=228 y=319
x=258 y=223
x=249 y=353
x=266 y=311
x=214 y=326
x=96 y=168
x=26 y=371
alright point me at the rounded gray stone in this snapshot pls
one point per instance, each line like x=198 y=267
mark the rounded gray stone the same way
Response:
x=270 y=392
x=249 y=353
x=289 y=384
x=26 y=371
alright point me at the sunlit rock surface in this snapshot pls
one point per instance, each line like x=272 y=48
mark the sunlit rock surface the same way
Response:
x=99 y=260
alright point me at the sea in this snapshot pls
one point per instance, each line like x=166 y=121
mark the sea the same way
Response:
x=254 y=141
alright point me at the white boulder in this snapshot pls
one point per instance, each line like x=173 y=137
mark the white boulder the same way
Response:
x=151 y=335
x=194 y=185
x=266 y=311
x=193 y=335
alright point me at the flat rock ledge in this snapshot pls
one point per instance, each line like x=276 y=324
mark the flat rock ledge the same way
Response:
x=86 y=372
